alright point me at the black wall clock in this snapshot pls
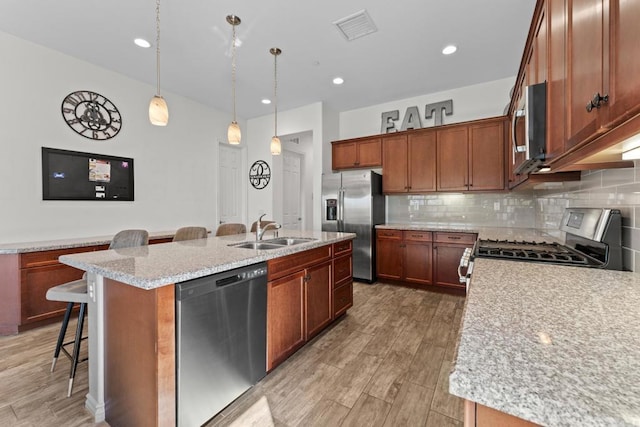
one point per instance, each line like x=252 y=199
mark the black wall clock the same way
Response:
x=91 y=115
x=259 y=174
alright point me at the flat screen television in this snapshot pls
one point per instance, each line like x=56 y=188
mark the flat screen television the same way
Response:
x=72 y=175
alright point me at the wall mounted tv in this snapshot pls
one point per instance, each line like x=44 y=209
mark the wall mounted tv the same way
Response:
x=72 y=175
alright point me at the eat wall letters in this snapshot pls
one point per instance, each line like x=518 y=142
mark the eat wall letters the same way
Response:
x=412 y=119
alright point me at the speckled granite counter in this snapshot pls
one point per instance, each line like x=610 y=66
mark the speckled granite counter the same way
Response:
x=559 y=346
x=530 y=234
x=149 y=267
x=81 y=242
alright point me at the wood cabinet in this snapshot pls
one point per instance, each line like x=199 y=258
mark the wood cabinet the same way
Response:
x=409 y=162
x=342 y=278
x=404 y=256
x=305 y=292
x=472 y=157
x=357 y=153
x=447 y=251
x=389 y=254
x=476 y=415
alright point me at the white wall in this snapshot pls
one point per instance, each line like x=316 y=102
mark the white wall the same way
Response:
x=260 y=130
x=469 y=103
x=175 y=166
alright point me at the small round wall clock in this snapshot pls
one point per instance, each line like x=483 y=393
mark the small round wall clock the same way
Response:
x=91 y=115
x=259 y=174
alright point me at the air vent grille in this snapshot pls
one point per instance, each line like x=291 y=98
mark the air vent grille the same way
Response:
x=355 y=26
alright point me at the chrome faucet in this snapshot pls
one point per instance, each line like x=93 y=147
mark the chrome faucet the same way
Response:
x=260 y=231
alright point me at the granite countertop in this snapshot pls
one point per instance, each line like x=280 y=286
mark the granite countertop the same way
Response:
x=153 y=266
x=556 y=345
x=81 y=242
x=495 y=233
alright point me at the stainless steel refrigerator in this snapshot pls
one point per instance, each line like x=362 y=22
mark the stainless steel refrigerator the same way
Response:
x=352 y=202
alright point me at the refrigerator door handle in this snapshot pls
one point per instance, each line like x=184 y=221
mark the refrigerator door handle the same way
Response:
x=341 y=210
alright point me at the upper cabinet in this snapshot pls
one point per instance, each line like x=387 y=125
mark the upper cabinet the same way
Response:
x=471 y=157
x=357 y=153
x=587 y=52
x=409 y=162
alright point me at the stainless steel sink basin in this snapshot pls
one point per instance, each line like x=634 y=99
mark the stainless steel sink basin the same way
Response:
x=277 y=243
x=263 y=246
x=288 y=241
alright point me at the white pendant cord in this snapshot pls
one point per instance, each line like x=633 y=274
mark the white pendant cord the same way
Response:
x=158 y=46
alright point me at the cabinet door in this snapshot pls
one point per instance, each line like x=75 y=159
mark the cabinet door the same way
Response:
x=343 y=155
x=557 y=74
x=394 y=160
x=389 y=255
x=453 y=159
x=417 y=262
x=486 y=157
x=285 y=317
x=369 y=153
x=446 y=260
x=624 y=60
x=585 y=73
x=35 y=284
x=422 y=161
x=318 y=291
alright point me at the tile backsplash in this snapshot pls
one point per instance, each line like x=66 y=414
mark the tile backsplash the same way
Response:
x=543 y=209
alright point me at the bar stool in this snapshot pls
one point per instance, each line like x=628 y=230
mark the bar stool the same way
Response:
x=76 y=293
x=229 y=228
x=190 y=233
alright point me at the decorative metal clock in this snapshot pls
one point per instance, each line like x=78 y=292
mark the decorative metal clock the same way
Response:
x=91 y=115
x=259 y=174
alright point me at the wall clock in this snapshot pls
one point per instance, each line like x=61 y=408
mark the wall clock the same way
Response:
x=259 y=174
x=91 y=115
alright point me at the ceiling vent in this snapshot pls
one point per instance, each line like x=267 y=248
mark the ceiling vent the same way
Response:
x=355 y=26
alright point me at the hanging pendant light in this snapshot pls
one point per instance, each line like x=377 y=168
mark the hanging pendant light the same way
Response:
x=158 y=110
x=276 y=147
x=233 y=133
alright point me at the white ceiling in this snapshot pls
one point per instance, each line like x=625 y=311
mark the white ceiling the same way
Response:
x=402 y=59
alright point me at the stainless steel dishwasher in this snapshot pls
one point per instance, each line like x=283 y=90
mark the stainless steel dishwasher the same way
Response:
x=221 y=328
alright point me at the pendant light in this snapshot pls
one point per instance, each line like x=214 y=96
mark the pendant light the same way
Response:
x=233 y=133
x=158 y=110
x=276 y=147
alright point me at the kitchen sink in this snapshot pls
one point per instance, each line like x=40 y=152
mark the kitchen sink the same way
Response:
x=288 y=241
x=263 y=246
x=277 y=243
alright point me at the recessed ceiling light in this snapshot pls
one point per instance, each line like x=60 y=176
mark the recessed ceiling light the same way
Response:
x=266 y=101
x=338 y=81
x=142 y=43
x=448 y=50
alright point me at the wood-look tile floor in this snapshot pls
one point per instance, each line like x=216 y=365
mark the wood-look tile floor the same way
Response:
x=385 y=363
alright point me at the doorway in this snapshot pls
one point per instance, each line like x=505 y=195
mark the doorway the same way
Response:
x=291 y=190
x=230 y=185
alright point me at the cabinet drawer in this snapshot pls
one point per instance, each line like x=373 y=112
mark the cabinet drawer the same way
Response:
x=341 y=248
x=342 y=269
x=463 y=238
x=389 y=234
x=418 y=236
x=280 y=267
x=40 y=259
x=342 y=299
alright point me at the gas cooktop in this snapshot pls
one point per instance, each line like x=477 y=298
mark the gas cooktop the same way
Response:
x=531 y=251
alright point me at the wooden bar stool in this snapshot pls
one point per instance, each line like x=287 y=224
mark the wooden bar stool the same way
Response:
x=76 y=293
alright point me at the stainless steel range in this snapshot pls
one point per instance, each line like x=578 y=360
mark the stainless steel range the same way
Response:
x=593 y=239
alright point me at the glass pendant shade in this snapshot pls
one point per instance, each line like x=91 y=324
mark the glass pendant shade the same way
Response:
x=233 y=133
x=158 y=111
x=276 y=147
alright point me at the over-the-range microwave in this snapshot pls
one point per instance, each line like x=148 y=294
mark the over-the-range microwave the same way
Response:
x=530 y=138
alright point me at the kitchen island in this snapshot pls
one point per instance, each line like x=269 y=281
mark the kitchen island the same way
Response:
x=132 y=315
x=554 y=345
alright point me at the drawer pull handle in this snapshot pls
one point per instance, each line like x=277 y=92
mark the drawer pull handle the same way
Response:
x=454 y=237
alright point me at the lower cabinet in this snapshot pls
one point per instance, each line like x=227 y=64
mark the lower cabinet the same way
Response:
x=404 y=256
x=303 y=296
x=476 y=415
x=447 y=251
x=421 y=258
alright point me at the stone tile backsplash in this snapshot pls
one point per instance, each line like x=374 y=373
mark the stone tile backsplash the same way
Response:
x=543 y=209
